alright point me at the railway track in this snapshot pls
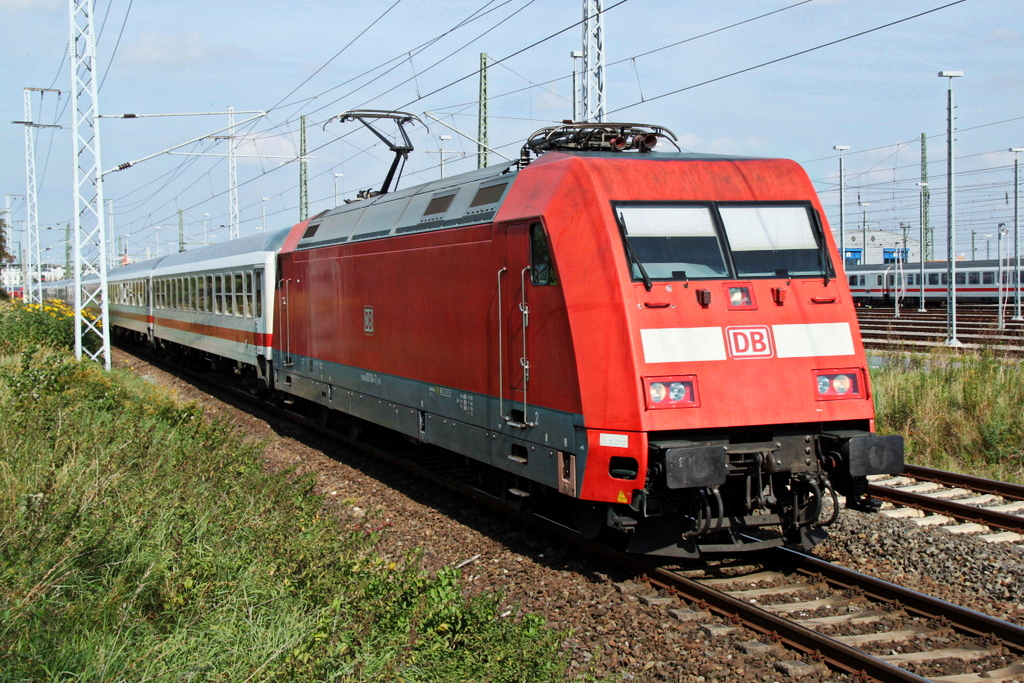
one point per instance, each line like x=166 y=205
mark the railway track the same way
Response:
x=823 y=615
x=851 y=622
x=977 y=328
x=965 y=503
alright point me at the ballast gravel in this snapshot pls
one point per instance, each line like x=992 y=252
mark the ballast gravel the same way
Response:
x=619 y=629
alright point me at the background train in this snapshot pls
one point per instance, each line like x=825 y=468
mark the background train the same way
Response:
x=660 y=340
x=976 y=282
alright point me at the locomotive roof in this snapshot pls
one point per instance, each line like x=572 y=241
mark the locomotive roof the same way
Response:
x=465 y=199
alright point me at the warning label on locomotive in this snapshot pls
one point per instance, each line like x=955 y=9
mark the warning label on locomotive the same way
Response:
x=615 y=440
x=753 y=341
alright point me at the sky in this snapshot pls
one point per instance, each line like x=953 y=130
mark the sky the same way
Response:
x=771 y=78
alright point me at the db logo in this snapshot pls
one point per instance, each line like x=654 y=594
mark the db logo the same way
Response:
x=749 y=342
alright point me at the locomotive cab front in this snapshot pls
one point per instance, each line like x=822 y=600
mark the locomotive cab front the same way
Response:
x=725 y=392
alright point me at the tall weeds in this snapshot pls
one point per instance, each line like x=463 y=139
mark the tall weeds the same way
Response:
x=957 y=411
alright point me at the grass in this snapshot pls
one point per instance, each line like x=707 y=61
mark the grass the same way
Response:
x=140 y=542
x=957 y=411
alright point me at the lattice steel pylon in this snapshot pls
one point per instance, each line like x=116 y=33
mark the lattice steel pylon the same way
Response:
x=92 y=316
x=481 y=126
x=593 y=100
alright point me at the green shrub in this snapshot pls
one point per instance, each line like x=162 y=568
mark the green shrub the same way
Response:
x=50 y=324
x=956 y=411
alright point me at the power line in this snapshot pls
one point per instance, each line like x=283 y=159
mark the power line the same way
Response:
x=791 y=56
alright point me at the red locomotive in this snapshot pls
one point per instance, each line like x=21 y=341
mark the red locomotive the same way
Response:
x=660 y=338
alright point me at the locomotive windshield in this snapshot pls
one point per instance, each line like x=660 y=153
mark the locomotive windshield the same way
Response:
x=717 y=241
x=673 y=242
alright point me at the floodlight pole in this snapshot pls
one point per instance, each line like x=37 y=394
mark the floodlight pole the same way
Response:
x=576 y=56
x=951 y=339
x=920 y=284
x=1001 y=232
x=842 y=205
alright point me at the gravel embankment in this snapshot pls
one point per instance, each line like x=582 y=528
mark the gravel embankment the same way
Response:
x=613 y=635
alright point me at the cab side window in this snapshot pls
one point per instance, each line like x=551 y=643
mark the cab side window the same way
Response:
x=542 y=266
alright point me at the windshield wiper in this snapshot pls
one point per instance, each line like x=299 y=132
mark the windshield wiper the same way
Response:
x=826 y=264
x=631 y=252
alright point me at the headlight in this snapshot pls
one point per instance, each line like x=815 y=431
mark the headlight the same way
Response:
x=676 y=391
x=840 y=384
x=672 y=392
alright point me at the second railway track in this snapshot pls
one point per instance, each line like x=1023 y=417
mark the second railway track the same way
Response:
x=948 y=497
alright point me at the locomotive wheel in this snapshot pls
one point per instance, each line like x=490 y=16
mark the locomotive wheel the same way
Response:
x=591 y=518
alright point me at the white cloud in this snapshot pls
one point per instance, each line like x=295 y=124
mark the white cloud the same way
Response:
x=266 y=145
x=1005 y=35
x=161 y=49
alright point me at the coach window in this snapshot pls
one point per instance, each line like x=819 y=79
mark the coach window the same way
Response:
x=853 y=280
x=974 y=278
x=239 y=295
x=960 y=279
x=542 y=266
x=933 y=278
x=878 y=280
x=989 y=278
x=248 y=294
x=229 y=296
x=230 y=289
x=201 y=294
x=945 y=278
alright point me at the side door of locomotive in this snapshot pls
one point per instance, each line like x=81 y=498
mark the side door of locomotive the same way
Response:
x=528 y=268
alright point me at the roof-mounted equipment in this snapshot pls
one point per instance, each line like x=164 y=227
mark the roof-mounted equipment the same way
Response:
x=595 y=137
x=401 y=118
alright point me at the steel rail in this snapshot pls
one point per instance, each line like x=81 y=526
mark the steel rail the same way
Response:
x=951 y=508
x=955 y=479
x=975 y=623
x=836 y=654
